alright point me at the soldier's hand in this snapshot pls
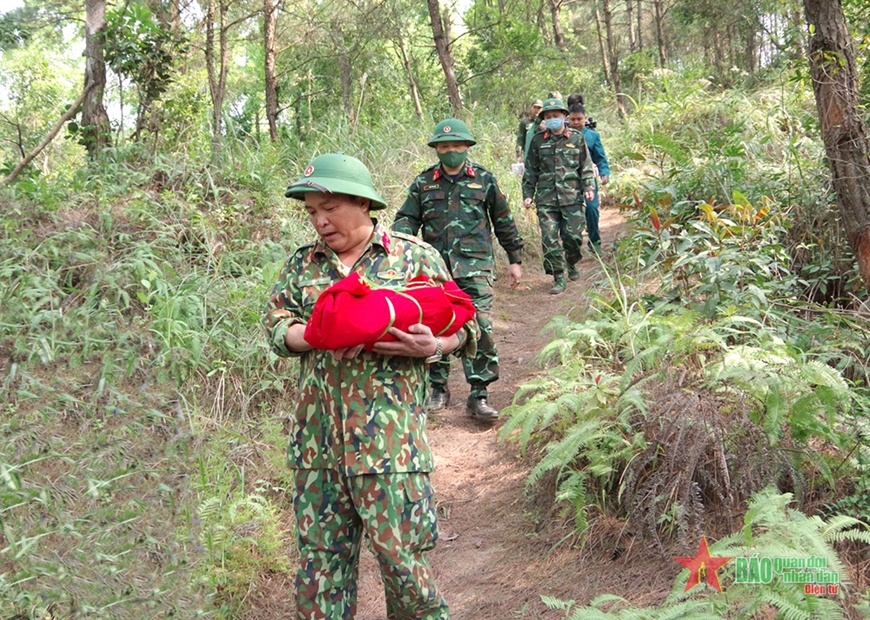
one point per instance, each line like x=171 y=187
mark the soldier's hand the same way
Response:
x=418 y=341
x=590 y=195
x=347 y=353
x=515 y=274
x=527 y=203
x=604 y=179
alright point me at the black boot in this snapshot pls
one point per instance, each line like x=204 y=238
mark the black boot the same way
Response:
x=439 y=398
x=477 y=407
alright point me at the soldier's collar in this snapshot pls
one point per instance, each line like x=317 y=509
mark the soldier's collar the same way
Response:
x=439 y=172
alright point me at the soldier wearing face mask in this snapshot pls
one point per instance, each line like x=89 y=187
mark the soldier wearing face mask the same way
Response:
x=456 y=205
x=558 y=177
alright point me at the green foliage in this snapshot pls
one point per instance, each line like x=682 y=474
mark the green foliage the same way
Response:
x=657 y=414
x=138 y=48
x=771 y=529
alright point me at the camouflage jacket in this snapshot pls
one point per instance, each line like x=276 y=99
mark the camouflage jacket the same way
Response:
x=364 y=415
x=558 y=169
x=522 y=130
x=458 y=217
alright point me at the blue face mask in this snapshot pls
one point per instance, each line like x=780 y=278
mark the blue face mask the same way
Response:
x=554 y=124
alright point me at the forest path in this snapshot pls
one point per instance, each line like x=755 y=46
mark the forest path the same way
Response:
x=494 y=559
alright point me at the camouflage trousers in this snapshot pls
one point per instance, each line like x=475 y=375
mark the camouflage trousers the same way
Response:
x=561 y=236
x=395 y=512
x=482 y=369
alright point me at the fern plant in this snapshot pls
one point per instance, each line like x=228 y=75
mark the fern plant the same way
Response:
x=771 y=530
x=658 y=414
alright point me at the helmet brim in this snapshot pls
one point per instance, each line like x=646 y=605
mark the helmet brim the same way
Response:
x=453 y=137
x=308 y=185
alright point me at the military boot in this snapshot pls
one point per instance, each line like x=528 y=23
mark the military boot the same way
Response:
x=439 y=398
x=477 y=407
x=573 y=272
x=559 y=284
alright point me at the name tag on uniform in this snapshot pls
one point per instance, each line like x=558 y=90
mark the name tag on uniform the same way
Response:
x=475 y=186
x=427 y=188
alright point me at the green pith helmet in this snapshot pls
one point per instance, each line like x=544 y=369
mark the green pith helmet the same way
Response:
x=537 y=103
x=336 y=173
x=554 y=104
x=452 y=130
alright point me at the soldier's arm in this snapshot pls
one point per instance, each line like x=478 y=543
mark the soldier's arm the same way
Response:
x=521 y=138
x=598 y=157
x=586 y=172
x=282 y=317
x=409 y=218
x=503 y=223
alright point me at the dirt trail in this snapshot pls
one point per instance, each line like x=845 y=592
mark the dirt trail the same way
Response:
x=490 y=561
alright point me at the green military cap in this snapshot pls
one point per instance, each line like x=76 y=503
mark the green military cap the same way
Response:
x=537 y=103
x=452 y=130
x=336 y=173
x=554 y=104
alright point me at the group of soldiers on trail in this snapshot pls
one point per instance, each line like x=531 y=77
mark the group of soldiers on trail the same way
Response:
x=358 y=432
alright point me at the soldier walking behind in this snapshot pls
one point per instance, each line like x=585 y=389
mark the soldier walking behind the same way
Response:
x=358 y=434
x=525 y=123
x=558 y=172
x=577 y=122
x=458 y=205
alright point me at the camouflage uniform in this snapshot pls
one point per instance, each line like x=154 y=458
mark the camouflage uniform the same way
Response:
x=522 y=130
x=557 y=172
x=457 y=217
x=358 y=442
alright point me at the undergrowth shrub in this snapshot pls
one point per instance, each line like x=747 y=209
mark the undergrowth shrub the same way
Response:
x=659 y=415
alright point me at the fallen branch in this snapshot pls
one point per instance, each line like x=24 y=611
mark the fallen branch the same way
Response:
x=51 y=135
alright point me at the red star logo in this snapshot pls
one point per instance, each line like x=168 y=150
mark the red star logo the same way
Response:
x=703 y=565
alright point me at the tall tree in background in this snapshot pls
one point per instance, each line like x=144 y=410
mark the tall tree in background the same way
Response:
x=659 y=8
x=612 y=52
x=270 y=61
x=444 y=47
x=835 y=84
x=555 y=15
x=217 y=76
x=96 y=131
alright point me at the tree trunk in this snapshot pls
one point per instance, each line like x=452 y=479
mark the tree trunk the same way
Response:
x=639 y=27
x=601 y=46
x=542 y=27
x=629 y=4
x=835 y=84
x=660 y=36
x=217 y=76
x=26 y=159
x=412 y=83
x=440 y=30
x=346 y=79
x=614 y=59
x=270 y=63
x=96 y=131
x=555 y=12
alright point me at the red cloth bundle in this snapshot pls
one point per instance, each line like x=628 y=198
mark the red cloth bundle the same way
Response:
x=351 y=312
